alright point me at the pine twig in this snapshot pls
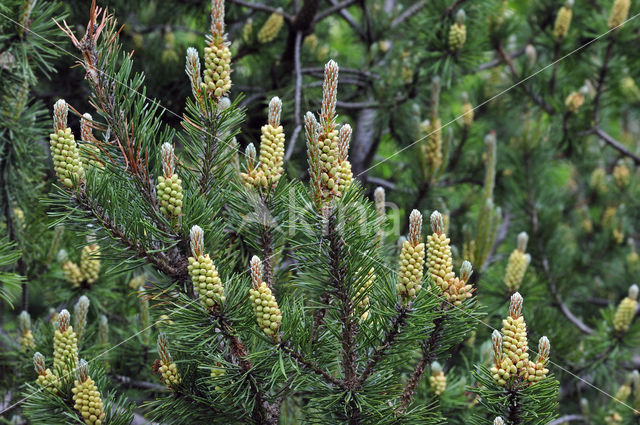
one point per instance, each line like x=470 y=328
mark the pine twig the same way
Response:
x=299 y=358
x=427 y=357
x=298 y=96
x=262 y=8
x=616 y=145
x=534 y=96
x=397 y=323
x=333 y=9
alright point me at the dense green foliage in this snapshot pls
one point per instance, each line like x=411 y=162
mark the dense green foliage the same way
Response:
x=279 y=291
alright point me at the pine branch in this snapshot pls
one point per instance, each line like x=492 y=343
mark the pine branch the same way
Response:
x=262 y=8
x=514 y=410
x=396 y=325
x=174 y=265
x=428 y=348
x=616 y=145
x=602 y=75
x=534 y=96
x=338 y=272
x=266 y=241
x=333 y=9
x=263 y=412
x=299 y=358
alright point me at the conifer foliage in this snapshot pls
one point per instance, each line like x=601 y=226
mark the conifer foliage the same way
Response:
x=244 y=261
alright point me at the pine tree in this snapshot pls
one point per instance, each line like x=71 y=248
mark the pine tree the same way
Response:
x=279 y=258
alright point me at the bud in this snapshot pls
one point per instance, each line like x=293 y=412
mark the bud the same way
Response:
x=437 y=223
x=466 y=270
x=196 y=241
x=544 y=348
x=619 y=13
x=563 y=21
x=87 y=398
x=60 y=112
x=345 y=139
x=515 y=308
x=64 y=149
x=26 y=336
x=530 y=52
x=86 y=131
x=271 y=27
x=496 y=343
x=265 y=306
x=46 y=378
x=458 y=32
x=498 y=421
x=192 y=68
x=217 y=56
x=379 y=199
x=329 y=94
x=80 y=311
x=65 y=346
x=168 y=368
x=523 y=238
x=626 y=311
x=415 y=227
x=103 y=330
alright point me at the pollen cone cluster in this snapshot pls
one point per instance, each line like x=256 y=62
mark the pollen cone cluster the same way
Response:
x=46 y=378
x=437 y=380
x=168 y=368
x=458 y=32
x=90 y=263
x=440 y=264
x=517 y=265
x=328 y=145
x=626 y=311
x=574 y=102
x=87 y=398
x=467 y=111
x=511 y=364
x=65 y=346
x=431 y=131
x=204 y=275
x=271 y=28
x=267 y=172
x=432 y=148
x=264 y=304
x=563 y=21
x=216 y=372
x=64 y=149
x=619 y=13
x=169 y=188
x=411 y=262
x=26 y=336
x=217 y=56
x=362 y=294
